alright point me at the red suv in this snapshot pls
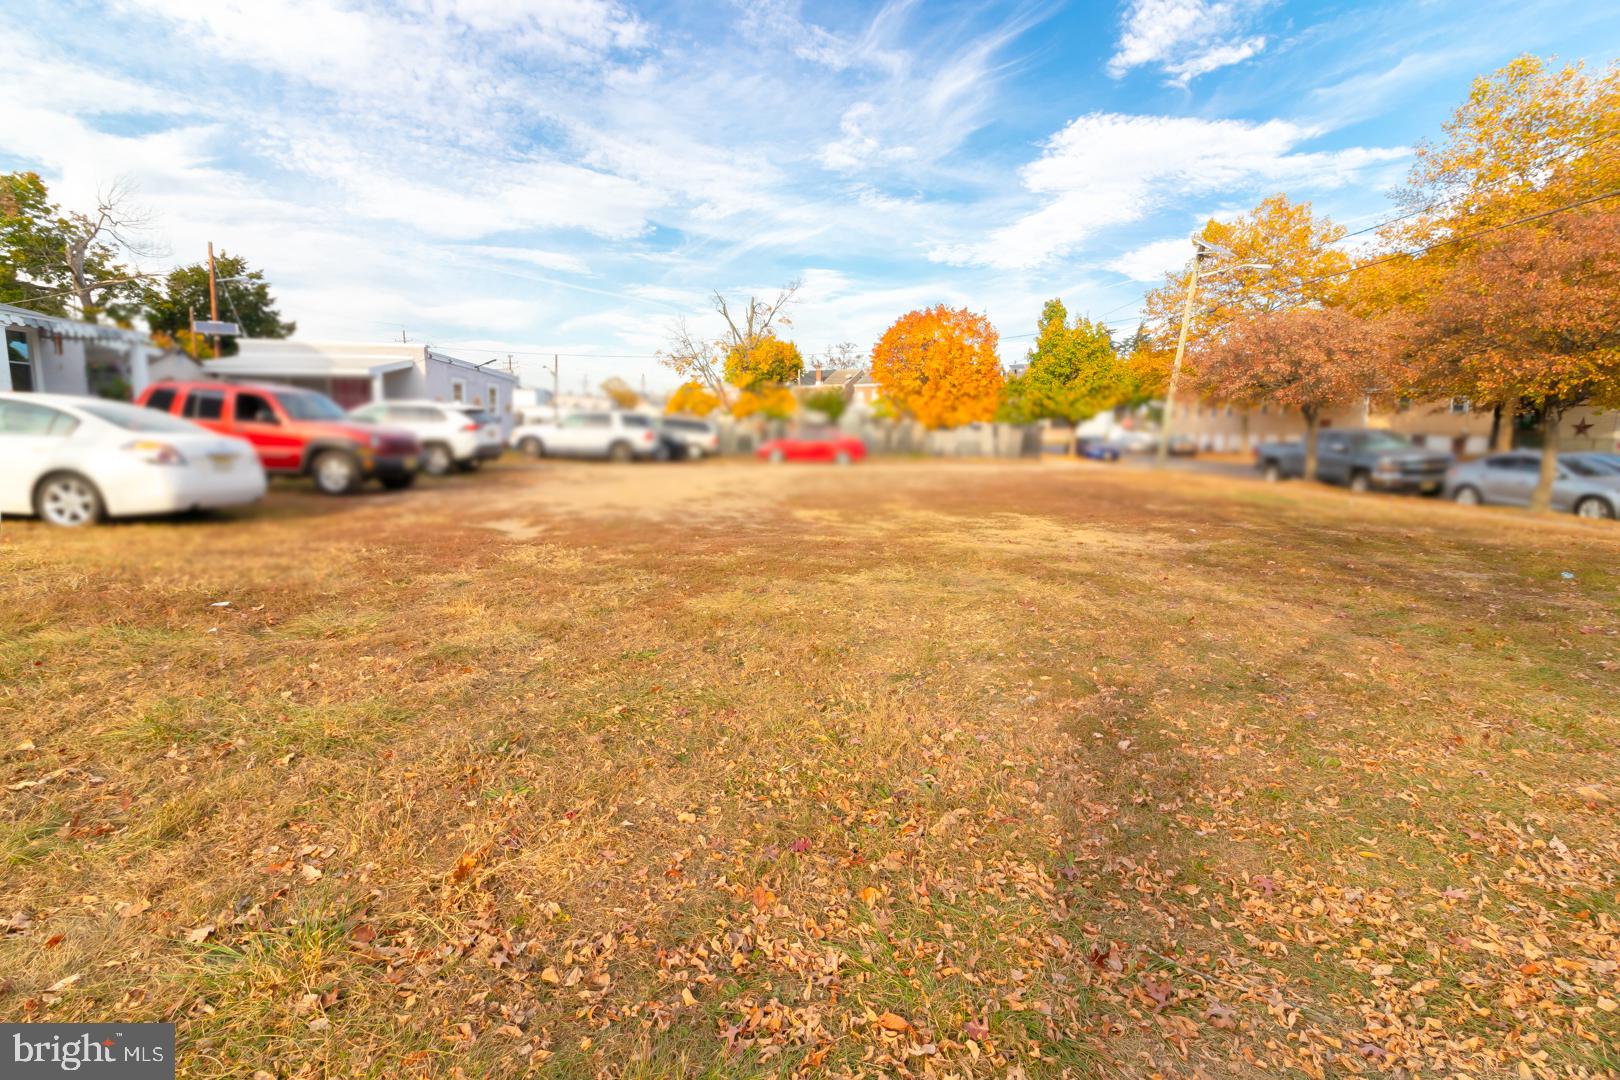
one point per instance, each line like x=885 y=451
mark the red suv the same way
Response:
x=296 y=432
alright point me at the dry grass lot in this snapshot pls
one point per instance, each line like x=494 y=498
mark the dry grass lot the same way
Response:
x=913 y=768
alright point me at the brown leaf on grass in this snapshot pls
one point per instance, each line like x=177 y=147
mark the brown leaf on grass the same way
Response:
x=133 y=908
x=763 y=898
x=1592 y=794
x=310 y=873
x=549 y=975
x=364 y=933
x=870 y=895
x=1220 y=1016
x=893 y=1022
x=200 y=934
x=464 y=866
x=1159 y=990
x=974 y=1029
x=63 y=983
x=53 y=941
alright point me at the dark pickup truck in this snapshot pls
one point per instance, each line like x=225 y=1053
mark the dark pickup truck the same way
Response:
x=1361 y=460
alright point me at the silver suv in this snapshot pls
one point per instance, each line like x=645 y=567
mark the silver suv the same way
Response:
x=453 y=435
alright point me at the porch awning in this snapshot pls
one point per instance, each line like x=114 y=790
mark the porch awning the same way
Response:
x=69 y=328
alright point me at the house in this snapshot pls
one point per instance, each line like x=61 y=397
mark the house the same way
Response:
x=354 y=374
x=1452 y=425
x=858 y=382
x=47 y=354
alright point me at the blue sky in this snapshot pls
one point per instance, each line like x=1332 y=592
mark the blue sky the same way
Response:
x=572 y=175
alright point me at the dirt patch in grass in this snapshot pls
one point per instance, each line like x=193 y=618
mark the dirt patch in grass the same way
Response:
x=912 y=767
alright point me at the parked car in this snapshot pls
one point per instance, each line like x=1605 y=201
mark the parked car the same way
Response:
x=608 y=435
x=75 y=461
x=1096 y=449
x=691 y=437
x=453 y=435
x=1361 y=460
x=1132 y=442
x=1586 y=488
x=813 y=445
x=296 y=432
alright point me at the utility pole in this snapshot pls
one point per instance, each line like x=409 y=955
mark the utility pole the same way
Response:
x=1201 y=248
x=213 y=296
x=1163 y=454
x=556 y=390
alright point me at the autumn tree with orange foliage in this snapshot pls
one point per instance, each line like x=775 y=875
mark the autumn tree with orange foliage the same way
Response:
x=691 y=398
x=1530 y=313
x=1527 y=139
x=1305 y=269
x=765 y=362
x=1310 y=359
x=940 y=367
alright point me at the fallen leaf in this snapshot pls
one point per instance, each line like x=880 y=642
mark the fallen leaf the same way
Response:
x=200 y=934
x=763 y=898
x=686 y=996
x=464 y=866
x=133 y=908
x=309 y=872
x=364 y=933
x=893 y=1022
x=974 y=1029
x=870 y=895
x=62 y=984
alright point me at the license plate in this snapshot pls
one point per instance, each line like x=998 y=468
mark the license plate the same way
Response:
x=1431 y=485
x=222 y=462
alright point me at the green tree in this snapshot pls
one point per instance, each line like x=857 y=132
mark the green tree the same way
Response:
x=244 y=298
x=51 y=260
x=830 y=403
x=1073 y=372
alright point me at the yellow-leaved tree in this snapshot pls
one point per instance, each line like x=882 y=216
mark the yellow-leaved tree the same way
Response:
x=1288 y=237
x=940 y=366
x=691 y=398
x=767 y=361
x=1526 y=141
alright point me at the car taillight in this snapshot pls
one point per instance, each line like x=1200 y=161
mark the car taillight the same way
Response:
x=156 y=453
x=469 y=427
x=646 y=436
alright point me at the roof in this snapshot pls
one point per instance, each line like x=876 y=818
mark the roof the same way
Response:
x=283 y=358
x=10 y=315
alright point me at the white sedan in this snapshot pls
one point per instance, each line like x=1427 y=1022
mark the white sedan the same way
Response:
x=77 y=460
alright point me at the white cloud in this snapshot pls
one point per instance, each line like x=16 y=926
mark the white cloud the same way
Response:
x=1186 y=38
x=545 y=260
x=1150 y=261
x=1110 y=169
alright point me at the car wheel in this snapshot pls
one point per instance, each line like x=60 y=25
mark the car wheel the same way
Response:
x=1360 y=483
x=398 y=481
x=1467 y=495
x=1593 y=507
x=68 y=500
x=437 y=459
x=620 y=452
x=532 y=446
x=842 y=458
x=1272 y=472
x=776 y=457
x=337 y=472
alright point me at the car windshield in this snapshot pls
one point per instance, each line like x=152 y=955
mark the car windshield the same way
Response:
x=308 y=405
x=1378 y=441
x=633 y=420
x=687 y=425
x=479 y=416
x=137 y=418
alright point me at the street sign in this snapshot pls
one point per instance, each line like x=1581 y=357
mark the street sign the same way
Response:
x=206 y=326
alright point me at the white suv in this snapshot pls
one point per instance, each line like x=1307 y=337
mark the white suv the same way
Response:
x=612 y=436
x=453 y=435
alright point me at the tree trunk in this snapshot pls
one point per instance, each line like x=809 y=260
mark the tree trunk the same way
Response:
x=1541 y=499
x=1310 y=443
x=1502 y=436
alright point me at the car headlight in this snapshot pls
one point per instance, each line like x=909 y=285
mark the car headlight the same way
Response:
x=154 y=452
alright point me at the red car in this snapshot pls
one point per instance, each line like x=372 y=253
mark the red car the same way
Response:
x=833 y=446
x=296 y=432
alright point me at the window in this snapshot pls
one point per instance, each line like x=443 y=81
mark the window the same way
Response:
x=458 y=390
x=635 y=420
x=1460 y=405
x=19 y=361
x=1513 y=463
x=254 y=409
x=24 y=418
x=161 y=400
x=595 y=420
x=308 y=405
x=205 y=405
x=416 y=414
x=492 y=399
